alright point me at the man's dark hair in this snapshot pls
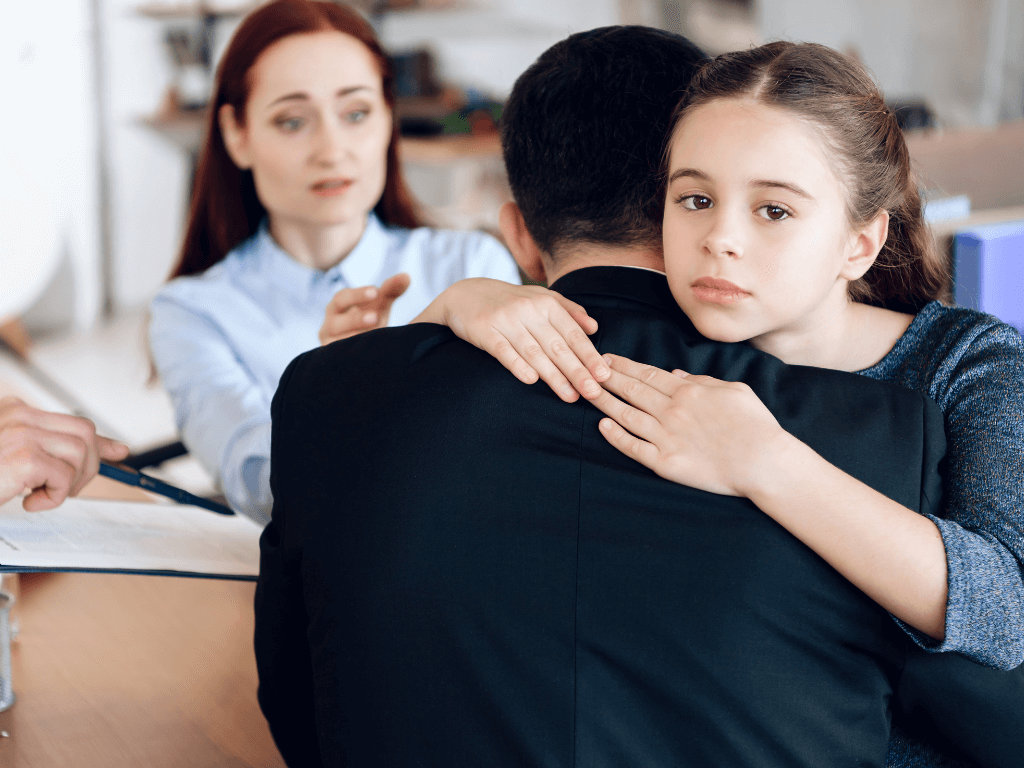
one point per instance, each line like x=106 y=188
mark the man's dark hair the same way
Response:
x=583 y=130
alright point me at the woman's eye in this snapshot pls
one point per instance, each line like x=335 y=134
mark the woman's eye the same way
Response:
x=290 y=124
x=695 y=202
x=357 y=115
x=774 y=212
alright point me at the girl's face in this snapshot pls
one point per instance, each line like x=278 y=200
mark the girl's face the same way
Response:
x=757 y=240
x=316 y=130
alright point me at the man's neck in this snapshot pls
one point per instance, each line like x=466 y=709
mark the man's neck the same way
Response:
x=596 y=255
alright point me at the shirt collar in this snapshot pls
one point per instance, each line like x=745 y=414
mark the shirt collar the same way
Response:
x=360 y=267
x=364 y=263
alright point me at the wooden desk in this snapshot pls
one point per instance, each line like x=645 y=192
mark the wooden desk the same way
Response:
x=118 y=670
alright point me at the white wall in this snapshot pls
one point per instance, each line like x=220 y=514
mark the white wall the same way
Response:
x=965 y=57
x=488 y=46
x=148 y=174
x=50 y=129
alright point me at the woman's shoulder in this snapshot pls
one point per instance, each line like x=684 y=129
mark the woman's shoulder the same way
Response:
x=213 y=282
x=438 y=240
x=451 y=254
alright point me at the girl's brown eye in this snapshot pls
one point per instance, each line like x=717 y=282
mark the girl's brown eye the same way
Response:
x=696 y=202
x=774 y=212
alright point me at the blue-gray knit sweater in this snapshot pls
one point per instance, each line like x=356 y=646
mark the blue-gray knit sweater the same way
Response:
x=972 y=365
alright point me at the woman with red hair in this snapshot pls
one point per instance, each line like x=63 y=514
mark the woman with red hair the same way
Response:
x=301 y=230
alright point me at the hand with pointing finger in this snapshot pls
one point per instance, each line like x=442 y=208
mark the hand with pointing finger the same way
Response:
x=354 y=310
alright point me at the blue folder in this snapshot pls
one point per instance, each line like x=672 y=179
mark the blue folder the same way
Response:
x=988 y=266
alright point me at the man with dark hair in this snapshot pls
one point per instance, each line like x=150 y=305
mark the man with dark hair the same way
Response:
x=460 y=570
x=578 y=176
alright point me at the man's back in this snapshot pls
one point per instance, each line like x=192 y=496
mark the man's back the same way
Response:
x=461 y=571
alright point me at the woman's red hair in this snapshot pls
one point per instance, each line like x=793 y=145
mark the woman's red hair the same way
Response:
x=225 y=210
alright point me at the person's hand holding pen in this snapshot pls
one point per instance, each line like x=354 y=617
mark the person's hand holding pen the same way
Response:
x=51 y=455
x=354 y=310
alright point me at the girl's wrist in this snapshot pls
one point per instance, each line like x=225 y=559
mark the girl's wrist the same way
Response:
x=438 y=311
x=773 y=470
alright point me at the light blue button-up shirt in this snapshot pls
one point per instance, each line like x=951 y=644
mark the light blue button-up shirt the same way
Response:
x=222 y=339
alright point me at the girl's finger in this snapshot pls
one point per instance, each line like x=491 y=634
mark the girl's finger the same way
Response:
x=500 y=348
x=540 y=355
x=579 y=314
x=638 y=393
x=663 y=381
x=631 y=446
x=582 y=350
x=563 y=359
x=639 y=422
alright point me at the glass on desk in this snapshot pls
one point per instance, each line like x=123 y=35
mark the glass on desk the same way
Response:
x=6 y=691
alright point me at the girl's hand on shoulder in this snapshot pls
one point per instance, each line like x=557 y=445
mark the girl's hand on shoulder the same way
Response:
x=354 y=310
x=534 y=332
x=694 y=430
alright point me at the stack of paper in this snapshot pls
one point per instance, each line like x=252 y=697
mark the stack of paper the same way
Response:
x=130 y=537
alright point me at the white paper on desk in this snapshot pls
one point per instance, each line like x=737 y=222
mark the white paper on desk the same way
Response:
x=88 y=534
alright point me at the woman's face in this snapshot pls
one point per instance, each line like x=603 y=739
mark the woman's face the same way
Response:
x=316 y=130
x=757 y=240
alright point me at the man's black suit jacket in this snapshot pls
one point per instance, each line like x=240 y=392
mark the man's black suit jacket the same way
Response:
x=460 y=570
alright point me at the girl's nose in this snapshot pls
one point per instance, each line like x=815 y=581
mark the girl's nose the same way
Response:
x=724 y=237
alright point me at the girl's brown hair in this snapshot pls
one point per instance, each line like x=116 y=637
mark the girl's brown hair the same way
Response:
x=837 y=96
x=225 y=210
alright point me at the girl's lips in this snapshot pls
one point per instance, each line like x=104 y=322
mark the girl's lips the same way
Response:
x=717 y=291
x=330 y=187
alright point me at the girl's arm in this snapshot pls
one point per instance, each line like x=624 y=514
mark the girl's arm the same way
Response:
x=534 y=332
x=717 y=436
x=977 y=378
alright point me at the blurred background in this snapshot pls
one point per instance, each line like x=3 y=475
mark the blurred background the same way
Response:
x=106 y=101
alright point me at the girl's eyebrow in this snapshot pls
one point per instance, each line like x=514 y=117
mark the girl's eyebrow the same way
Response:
x=301 y=96
x=693 y=173
x=688 y=172
x=768 y=183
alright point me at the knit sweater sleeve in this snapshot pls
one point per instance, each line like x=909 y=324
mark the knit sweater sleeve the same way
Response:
x=978 y=382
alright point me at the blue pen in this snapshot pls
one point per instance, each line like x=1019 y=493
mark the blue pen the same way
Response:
x=130 y=476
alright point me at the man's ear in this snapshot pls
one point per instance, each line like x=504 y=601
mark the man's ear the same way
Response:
x=520 y=242
x=236 y=138
x=866 y=244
